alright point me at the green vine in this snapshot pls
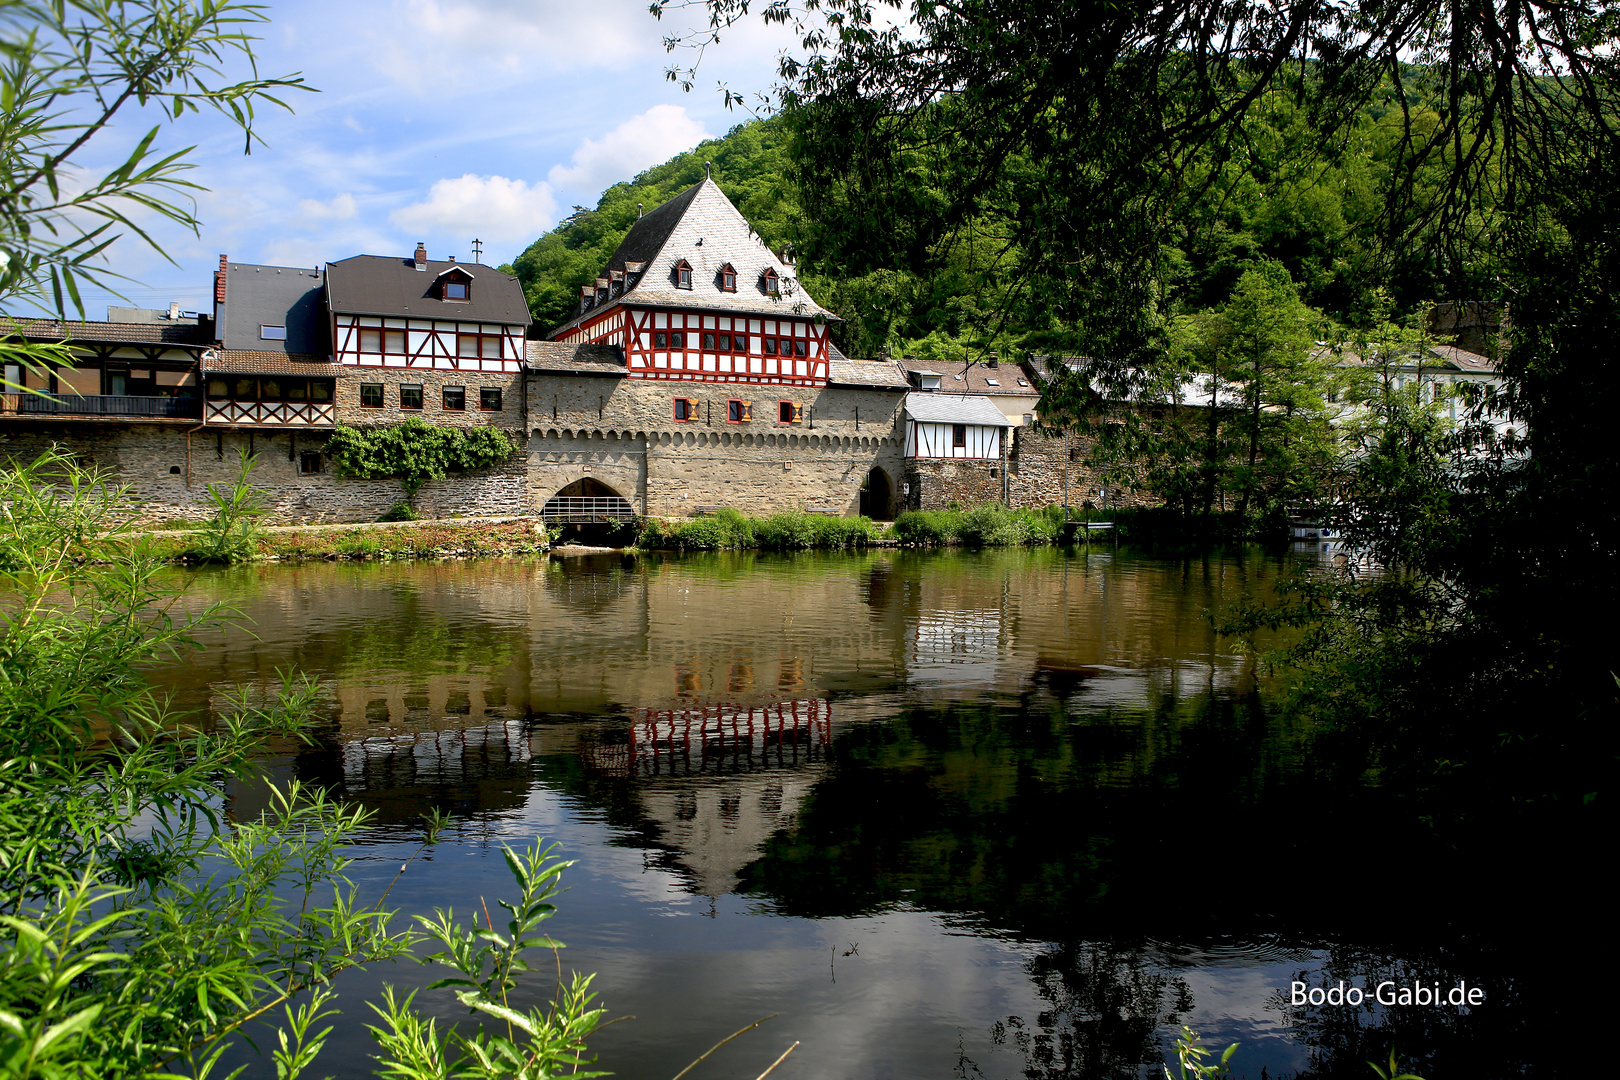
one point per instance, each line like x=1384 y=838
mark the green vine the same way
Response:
x=415 y=452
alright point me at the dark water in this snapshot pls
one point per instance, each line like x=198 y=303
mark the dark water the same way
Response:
x=975 y=815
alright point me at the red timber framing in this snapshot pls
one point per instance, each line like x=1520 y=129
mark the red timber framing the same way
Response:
x=718 y=738
x=437 y=344
x=691 y=346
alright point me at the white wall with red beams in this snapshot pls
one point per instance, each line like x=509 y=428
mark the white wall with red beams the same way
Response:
x=635 y=329
x=439 y=344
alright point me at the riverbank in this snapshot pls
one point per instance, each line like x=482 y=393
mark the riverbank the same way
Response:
x=437 y=539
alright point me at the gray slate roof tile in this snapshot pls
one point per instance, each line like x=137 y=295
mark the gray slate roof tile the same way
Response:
x=935 y=407
x=383 y=285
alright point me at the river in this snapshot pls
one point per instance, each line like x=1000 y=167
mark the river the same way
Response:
x=999 y=814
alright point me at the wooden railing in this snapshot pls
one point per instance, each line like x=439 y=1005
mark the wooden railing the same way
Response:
x=279 y=413
x=101 y=405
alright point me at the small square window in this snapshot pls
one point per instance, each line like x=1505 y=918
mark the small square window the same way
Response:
x=218 y=389
x=725 y=342
x=273 y=333
x=489 y=398
x=789 y=412
x=683 y=275
x=320 y=390
x=660 y=341
x=740 y=343
x=309 y=462
x=739 y=412
x=958 y=434
x=455 y=398
x=371 y=395
x=371 y=341
x=394 y=342
x=455 y=290
x=410 y=395
x=708 y=342
x=728 y=279
x=270 y=390
x=685 y=409
x=770 y=346
x=677 y=341
x=798 y=348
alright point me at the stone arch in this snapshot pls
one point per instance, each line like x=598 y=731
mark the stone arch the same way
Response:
x=877 y=495
x=587 y=499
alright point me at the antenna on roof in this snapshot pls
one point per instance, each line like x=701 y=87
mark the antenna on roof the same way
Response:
x=706 y=170
x=478 y=250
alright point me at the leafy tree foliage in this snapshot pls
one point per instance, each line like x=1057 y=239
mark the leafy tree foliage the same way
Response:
x=415 y=452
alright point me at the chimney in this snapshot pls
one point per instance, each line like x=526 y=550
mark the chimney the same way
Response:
x=452 y=259
x=995 y=359
x=219 y=280
x=174 y=309
x=638 y=211
x=421 y=257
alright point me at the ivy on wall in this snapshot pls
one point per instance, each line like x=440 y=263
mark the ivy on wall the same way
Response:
x=415 y=452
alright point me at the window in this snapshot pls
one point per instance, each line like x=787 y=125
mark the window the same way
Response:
x=740 y=342
x=677 y=341
x=770 y=346
x=455 y=286
x=685 y=409
x=218 y=389
x=245 y=390
x=410 y=395
x=769 y=283
x=739 y=412
x=728 y=278
x=660 y=341
x=273 y=333
x=320 y=391
x=489 y=398
x=471 y=346
x=297 y=390
x=725 y=342
x=708 y=341
x=371 y=395
x=309 y=462
x=798 y=348
x=683 y=275
x=394 y=342
x=371 y=341
x=958 y=434
x=455 y=398
x=789 y=412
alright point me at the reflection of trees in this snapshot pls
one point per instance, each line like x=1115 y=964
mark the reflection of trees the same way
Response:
x=1107 y=1005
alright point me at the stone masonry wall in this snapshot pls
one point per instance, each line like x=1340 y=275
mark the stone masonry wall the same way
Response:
x=623 y=433
x=350 y=411
x=1041 y=471
x=152 y=461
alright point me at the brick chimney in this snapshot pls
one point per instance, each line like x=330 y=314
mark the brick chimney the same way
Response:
x=219 y=280
x=421 y=256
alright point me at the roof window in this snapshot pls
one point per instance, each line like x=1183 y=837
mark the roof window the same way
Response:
x=683 y=275
x=769 y=283
x=728 y=278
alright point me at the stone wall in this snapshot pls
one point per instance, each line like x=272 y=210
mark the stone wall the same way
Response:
x=623 y=433
x=1041 y=471
x=154 y=462
x=350 y=411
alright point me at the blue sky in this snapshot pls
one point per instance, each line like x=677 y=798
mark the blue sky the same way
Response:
x=437 y=121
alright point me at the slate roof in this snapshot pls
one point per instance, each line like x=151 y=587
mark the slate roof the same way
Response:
x=255 y=295
x=563 y=358
x=877 y=374
x=261 y=362
x=1005 y=380
x=701 y=226
x=1440 y=356
x=134 y=333
x=384 y=285
x=934 y=407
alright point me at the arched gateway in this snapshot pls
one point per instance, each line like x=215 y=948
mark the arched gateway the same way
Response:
x=877 y=494
x=586 y=500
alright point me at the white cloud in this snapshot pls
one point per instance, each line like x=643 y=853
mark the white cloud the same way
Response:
x=493 y=208
x=647 y=139
x=441 y=46
x=341 y=208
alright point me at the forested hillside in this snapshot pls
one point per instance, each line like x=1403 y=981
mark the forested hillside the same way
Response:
x=960 y=289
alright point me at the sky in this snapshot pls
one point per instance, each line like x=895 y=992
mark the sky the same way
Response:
x=436 y=121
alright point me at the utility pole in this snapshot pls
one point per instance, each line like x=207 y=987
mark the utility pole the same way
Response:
x=478 y=251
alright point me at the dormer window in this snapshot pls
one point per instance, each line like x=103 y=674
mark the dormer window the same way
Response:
x=683 y=275
x=769 y=283
x=728 y=278
x=455 y=285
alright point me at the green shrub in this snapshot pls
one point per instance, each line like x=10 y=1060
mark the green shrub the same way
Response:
x=985 y=525
x=232 y=535
x=400 y=511
x=927 y=528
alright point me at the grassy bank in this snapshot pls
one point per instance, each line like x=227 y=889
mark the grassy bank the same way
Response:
x=416 y=540
x=791 y=530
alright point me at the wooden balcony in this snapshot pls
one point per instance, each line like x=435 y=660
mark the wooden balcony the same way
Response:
x=283 y=414
x=100 y=407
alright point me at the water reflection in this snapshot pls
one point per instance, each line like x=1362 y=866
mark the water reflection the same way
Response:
x=1010 y=813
